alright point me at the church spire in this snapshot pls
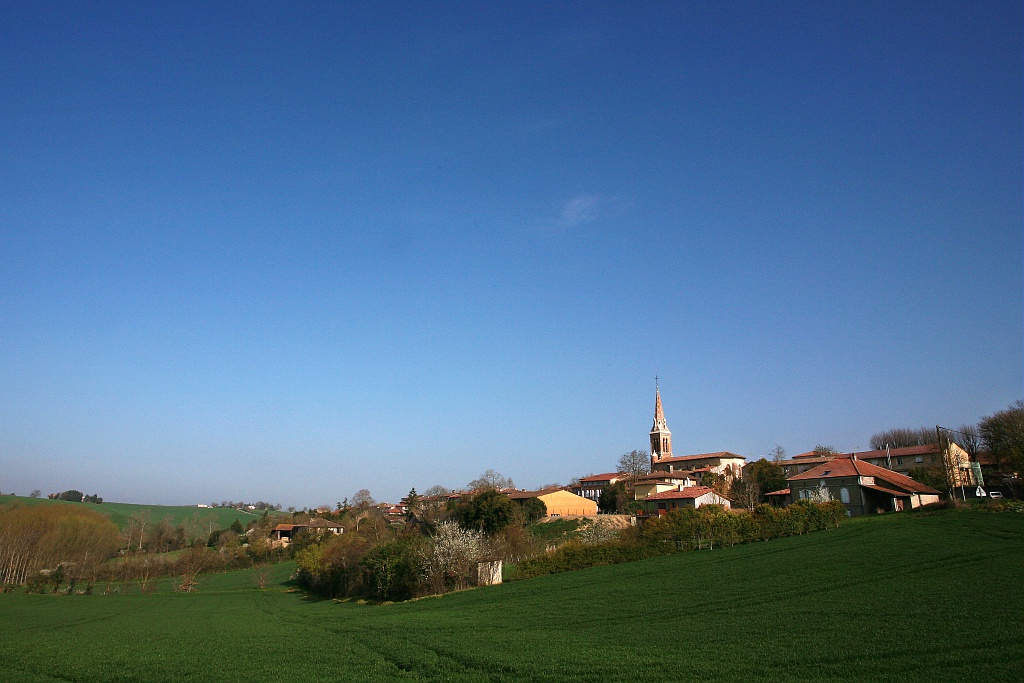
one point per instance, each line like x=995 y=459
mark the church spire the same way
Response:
x=661 y=437
x=659 y=413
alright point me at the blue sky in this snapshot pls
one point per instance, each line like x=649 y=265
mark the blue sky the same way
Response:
x=286 y=251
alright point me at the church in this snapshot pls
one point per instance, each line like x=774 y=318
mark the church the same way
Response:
x=722 y=463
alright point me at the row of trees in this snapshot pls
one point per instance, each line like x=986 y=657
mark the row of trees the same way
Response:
x=34 y=538
x=71 y=495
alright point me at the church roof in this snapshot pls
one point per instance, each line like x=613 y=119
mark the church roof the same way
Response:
x=703 y=456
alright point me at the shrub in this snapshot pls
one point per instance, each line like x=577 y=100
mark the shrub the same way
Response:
x=395 y=568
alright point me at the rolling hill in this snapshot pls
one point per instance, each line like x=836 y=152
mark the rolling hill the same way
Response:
x=902 y=597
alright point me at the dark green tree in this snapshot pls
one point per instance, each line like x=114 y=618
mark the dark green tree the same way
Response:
x=613 y=498
x=766 y=475
x=489 y=511
x=395 y=568
x=532 y=509
x=237 y=527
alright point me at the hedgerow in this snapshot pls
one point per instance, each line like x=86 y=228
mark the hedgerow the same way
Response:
x=686 y=529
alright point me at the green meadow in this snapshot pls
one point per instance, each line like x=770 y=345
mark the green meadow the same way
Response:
x=120 y=513
x=906 y=597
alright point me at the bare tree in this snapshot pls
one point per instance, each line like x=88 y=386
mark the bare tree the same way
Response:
x=746 y=493
x=491 y=480
x=137 y=527
x=969 y=438
x=363 y=500
x=820 y=450
x=903 y=437
x=634 y=463
x=777 y=454
x=1003 y=435
x=437 y=490
x=261 y=575
x=191 y=563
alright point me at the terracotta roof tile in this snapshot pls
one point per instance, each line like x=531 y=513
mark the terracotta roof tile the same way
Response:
x=607 y=476
x=898 y=494
x=686 y=493
x=718 y=454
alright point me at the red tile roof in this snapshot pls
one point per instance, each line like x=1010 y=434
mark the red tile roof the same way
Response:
x=807 y=459
x=850 y=467
x=719 y=454
x=780 y=492
x=662 y=474
x=871 y=455
x=520 y=495
x=686 y=493
x=898 y=494
x=931 y=449
x=607 y=476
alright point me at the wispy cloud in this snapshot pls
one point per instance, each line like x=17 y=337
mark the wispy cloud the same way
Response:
x=579 y=210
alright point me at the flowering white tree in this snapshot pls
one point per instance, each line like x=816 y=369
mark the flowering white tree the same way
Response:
x=451 y=557
x=820 y=494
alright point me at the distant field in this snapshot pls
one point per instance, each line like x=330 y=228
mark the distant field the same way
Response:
x=907 y=597
x=119 y=513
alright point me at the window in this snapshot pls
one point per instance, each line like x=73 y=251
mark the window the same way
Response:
x=919 y=459
x=844 y=494
x=899 y=461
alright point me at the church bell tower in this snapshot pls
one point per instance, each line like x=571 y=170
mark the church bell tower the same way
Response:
x=661 y=437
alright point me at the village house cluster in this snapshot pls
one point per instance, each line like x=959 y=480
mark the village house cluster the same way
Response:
x=864 y=482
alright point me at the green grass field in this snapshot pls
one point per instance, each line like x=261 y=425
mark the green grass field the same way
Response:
x=119 y=513
x=908 y=597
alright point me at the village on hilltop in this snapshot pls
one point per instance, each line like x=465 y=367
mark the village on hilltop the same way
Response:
x=654 y=484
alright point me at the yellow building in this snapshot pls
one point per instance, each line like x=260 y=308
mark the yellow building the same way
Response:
x=559 y=502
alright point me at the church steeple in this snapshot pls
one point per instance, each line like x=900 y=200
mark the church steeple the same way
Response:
x=661 y=437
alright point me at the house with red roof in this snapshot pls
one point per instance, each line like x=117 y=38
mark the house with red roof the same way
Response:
x=689 y=497
x=951 y=460
x=659 y=482
x=282 y=534
x=863 y=488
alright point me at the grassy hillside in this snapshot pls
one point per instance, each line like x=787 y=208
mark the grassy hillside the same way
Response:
x=119 y=513
x=904 y=597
